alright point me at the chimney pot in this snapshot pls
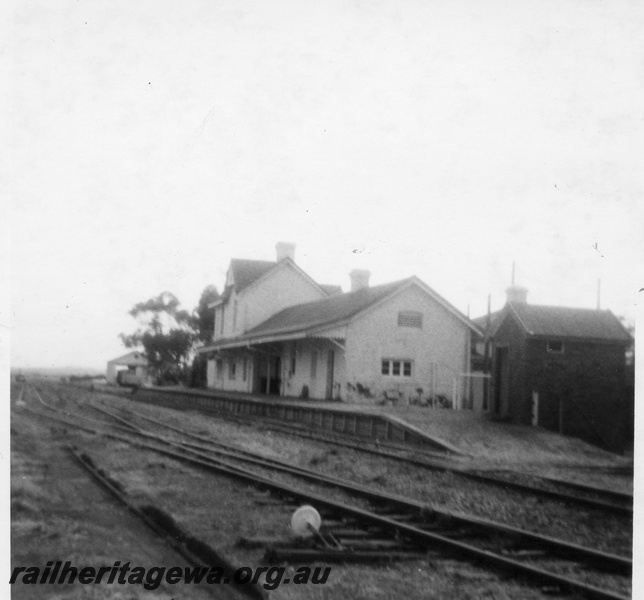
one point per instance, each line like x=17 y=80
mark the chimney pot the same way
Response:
x=517 y=294
x=285 y=250
x=359 y=279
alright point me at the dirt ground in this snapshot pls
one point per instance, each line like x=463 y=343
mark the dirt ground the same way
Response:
x=58 y=513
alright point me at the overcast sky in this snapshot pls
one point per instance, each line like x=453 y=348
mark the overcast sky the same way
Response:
x=153 y=141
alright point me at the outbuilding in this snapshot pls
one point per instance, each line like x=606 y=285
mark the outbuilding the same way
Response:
x=559 y=368
x=135 y=363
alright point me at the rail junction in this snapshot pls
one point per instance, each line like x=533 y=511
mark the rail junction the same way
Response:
x=368 y=524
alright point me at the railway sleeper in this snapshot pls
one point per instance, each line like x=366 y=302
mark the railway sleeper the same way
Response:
x=299 y=555
x=348 y=533
x=530 y=571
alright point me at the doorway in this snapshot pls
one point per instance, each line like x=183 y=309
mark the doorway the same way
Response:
x=501 y=381
x=269 y=374
x=329 y=375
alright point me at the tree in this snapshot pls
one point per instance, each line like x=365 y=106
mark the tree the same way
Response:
x=167 y=334
x=204 y=316
x=204 y=324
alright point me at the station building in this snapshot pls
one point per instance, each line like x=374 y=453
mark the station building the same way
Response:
x=277 y=331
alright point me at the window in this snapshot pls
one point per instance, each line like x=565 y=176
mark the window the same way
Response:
x=221 y=323
x=555 y=346
x=245 y=368
x=314 y=365
x=235 y=316
x=396 y=367
x=232 y=368
x=220 y=369
x=410 y=318
x=293 y=360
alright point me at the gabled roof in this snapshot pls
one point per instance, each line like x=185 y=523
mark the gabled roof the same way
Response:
x=247 y=271
x=562 y=322
x=481 y=322
x=331 y=290
x=570 y=322
x=308 y=318
x=328 y=311
x=135 y=358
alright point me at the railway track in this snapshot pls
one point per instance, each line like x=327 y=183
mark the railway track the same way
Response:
x=567 y=492
x=191 y=549
x=389 y=526
x=556 y=488
x=165 y=530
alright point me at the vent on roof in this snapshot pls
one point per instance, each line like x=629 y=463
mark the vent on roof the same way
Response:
x=410 y=318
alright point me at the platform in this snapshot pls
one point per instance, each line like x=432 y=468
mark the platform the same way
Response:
x=357 y=421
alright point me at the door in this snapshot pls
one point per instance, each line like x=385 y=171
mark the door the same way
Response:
x=329 y=375
x=501 y=381
x=276 y=376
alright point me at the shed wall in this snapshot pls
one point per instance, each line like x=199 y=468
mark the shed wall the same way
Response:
x=581 y=391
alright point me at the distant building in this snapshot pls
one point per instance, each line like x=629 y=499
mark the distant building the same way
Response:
x=134 y=363
x=279 y=332
x=559 y=368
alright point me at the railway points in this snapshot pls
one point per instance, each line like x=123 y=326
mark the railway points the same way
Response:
x=400 y=520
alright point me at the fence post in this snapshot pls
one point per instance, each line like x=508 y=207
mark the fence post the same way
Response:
x=433 y=384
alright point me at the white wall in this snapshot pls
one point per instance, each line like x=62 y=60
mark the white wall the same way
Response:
x=110 y=376
x=210 y=373
x=294 y=382
x=284 y=287
x=236 y=384
x=225 y=309
x=442 y=340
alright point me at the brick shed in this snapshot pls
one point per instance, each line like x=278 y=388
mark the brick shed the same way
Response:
x=562 y=369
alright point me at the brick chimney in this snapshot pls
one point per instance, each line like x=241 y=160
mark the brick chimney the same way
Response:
x=285 y=250
x=516 y=294
x=359 y=279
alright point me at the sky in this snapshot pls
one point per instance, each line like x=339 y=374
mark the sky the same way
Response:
x=152 y=141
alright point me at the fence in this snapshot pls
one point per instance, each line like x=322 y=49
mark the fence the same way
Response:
x=445 y=388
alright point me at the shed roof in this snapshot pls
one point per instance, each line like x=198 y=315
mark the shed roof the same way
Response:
x=560 y=321
x=135 y=358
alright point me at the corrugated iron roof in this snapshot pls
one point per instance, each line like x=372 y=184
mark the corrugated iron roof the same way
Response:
x=560 y=321
x=134 y=358
x=331 y=290
x=246 y=271
x=303 y=319
x=327 y=311
x=481 y=322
